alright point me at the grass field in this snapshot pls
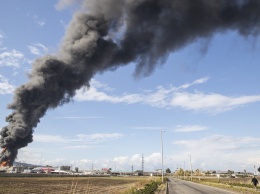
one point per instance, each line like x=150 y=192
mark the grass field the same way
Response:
x=70 y=185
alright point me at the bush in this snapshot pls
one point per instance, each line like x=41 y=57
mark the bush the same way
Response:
x=149 y=188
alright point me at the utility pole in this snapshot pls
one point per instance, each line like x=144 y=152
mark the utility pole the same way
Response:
x=184 y=168
x=190 y=168
x=142 y=164
x=162 y=152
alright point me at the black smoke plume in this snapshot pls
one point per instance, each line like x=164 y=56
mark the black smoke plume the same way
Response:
x=108 y=34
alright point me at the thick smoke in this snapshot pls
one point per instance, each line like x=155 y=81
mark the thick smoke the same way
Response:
x=114 y=33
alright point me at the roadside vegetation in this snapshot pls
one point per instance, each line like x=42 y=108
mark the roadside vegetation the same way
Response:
x=240 y=185
x=149 y=188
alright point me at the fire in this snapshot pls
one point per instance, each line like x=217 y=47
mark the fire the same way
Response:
x=4 y=163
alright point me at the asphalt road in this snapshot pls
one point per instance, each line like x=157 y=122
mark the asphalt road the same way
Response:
x=177 y=186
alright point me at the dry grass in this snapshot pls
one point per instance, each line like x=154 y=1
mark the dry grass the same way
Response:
x=239 y=185
x=69 y=185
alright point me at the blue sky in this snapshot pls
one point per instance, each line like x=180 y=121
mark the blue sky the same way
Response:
x=205 y=96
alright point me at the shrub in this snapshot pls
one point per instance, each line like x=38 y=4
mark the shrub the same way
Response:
x=149 y=188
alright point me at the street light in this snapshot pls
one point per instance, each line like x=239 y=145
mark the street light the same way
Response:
x=190 y=168
x=184 y=168
x=162 y=151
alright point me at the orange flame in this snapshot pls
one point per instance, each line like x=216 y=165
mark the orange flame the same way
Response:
x=4 y=163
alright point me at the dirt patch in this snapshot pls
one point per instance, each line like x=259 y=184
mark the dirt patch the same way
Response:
x=68 y=185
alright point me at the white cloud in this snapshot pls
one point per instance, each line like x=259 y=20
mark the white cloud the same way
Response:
x=220 y=152
x=79 y=141
x=148 y=128
x=5 y=87
x=11 y=58
x=152 y=161
x=216 y=152
x=159 y=98
x=198 y=81
x=190 y=128
x=92 y=94
x=155 y=160
x=121 y=160
x=37 y=20
x=40 y=22
x=99 y=136
x=118 y=163
x=71 y=117
x=215 y=103
x=170 y=97
x=37 y=49
x=50 y=139
x=34 y=50
x=1 y=37
x=219 y=143
x=76 y=147
x=3 y=48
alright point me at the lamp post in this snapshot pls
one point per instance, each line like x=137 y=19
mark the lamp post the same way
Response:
x=190 y=168
x=184 y=168
x=162 y=151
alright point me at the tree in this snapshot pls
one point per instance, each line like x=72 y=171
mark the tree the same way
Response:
x=64 y=167
x=180 y=172
x=168 y=170
x=109 y=171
